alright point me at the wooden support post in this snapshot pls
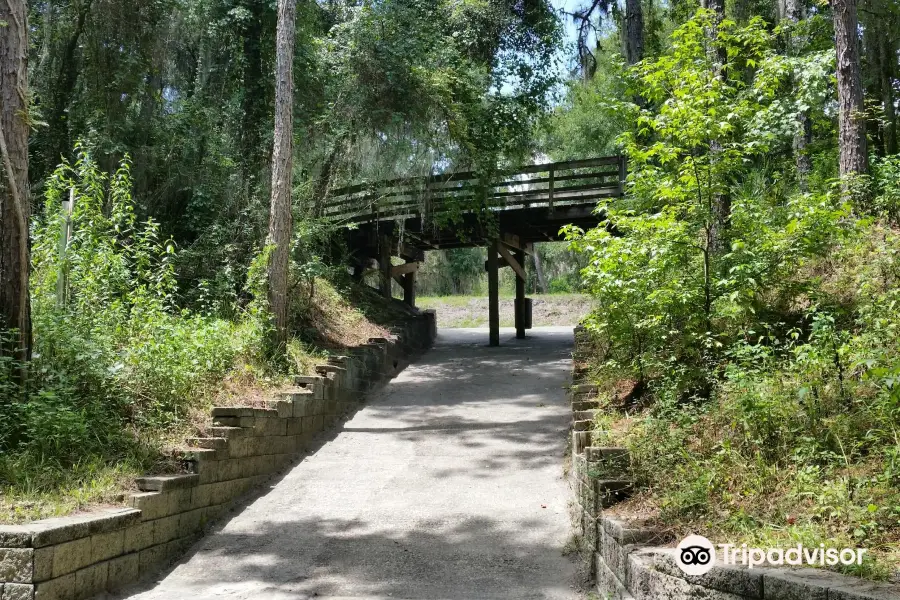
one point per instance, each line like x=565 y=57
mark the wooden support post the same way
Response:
x=623 y=174
x=520 y=298
x=409 y=286
x=384 y=263
x=493 y=294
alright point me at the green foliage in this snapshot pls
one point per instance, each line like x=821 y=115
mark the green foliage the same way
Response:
x=113 y=356
x=770 y=406
x=452 y=272
x=886 y=196
x=382 y=89
x=801 y=443
x=588 y=123
x=668 y=303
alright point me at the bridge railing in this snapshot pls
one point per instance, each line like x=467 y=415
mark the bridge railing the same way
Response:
x=574 y=182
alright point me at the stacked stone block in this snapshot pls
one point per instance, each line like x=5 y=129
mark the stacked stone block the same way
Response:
x=630 y=567
x=598 y=473
x=72 y=558
x=624 y=557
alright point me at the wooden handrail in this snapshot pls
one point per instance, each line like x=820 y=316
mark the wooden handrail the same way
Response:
x=389 y=198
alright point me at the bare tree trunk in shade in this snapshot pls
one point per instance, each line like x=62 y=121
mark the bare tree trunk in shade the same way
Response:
x=634 y=31
x=720 y=208
x=853 y=157
x=795 y=11
x=15 y=207
x=282 y=163
x=742 y=11
x=887 y=62
x=539 y=271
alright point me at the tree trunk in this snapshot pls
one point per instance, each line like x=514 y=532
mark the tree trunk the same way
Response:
x=323 y=182
x=794 y=12
x=282 y=162
x=720 y=203
x=15 y=209
x=58 y=134
x=718 y=55
x=742 y=12
x=634 y=31
x=888 y=59
x=851 y=119
x=539 y=271
x=255 y=98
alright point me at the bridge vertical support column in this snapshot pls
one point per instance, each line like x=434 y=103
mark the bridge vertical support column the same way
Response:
x=493 y=269
x=409 y=286
x=519 y=305
x=384 y=264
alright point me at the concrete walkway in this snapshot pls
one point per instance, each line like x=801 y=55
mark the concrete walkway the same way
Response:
x=447 y=484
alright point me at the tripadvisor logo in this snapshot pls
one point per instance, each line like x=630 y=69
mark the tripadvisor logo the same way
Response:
x=696 y=555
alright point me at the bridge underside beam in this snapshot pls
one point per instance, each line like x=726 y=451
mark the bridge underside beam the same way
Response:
x=529 y=225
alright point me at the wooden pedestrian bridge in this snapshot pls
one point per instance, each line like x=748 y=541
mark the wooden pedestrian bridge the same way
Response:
x=406 y=217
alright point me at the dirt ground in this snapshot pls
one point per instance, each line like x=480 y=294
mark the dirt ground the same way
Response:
x=472 y=311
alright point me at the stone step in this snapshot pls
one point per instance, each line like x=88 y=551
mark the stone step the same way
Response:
x=192 y=458
x=325 y=369
x=584 y=425
x=209 y=443
x=232 y=411
x=370 y=346
x=228 y=432
x=611 y=491
x=233 y=421
x=580 y=405
x=195 y=454
x=270 y=412
x=164 y=483
x=297 y=393
x=580 y=440
x=607 y=454
x=583 y=389
x=584 y=415
x=284 y=408
x=308 y=380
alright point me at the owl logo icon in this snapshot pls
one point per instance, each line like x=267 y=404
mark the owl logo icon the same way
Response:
x=695 y=555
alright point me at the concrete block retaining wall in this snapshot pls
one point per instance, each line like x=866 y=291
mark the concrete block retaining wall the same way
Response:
x=76 y=557
x=625 y=558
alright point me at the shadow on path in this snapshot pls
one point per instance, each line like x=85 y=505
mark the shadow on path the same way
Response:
x=448 y=484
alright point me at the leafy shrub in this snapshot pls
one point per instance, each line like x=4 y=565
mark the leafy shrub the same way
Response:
x=669 y=300
x=770 y=364
x=113 y=356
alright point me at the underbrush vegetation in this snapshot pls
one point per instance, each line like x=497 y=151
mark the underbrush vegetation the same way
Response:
x=121 y=370
x=762 y=364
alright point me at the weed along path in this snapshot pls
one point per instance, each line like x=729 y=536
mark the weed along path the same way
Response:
x=447 y=484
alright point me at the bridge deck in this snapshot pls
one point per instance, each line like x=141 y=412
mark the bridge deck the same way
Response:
x=406 y=217
x=553 y=185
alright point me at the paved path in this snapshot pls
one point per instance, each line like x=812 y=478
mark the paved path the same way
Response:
x=448 y=484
